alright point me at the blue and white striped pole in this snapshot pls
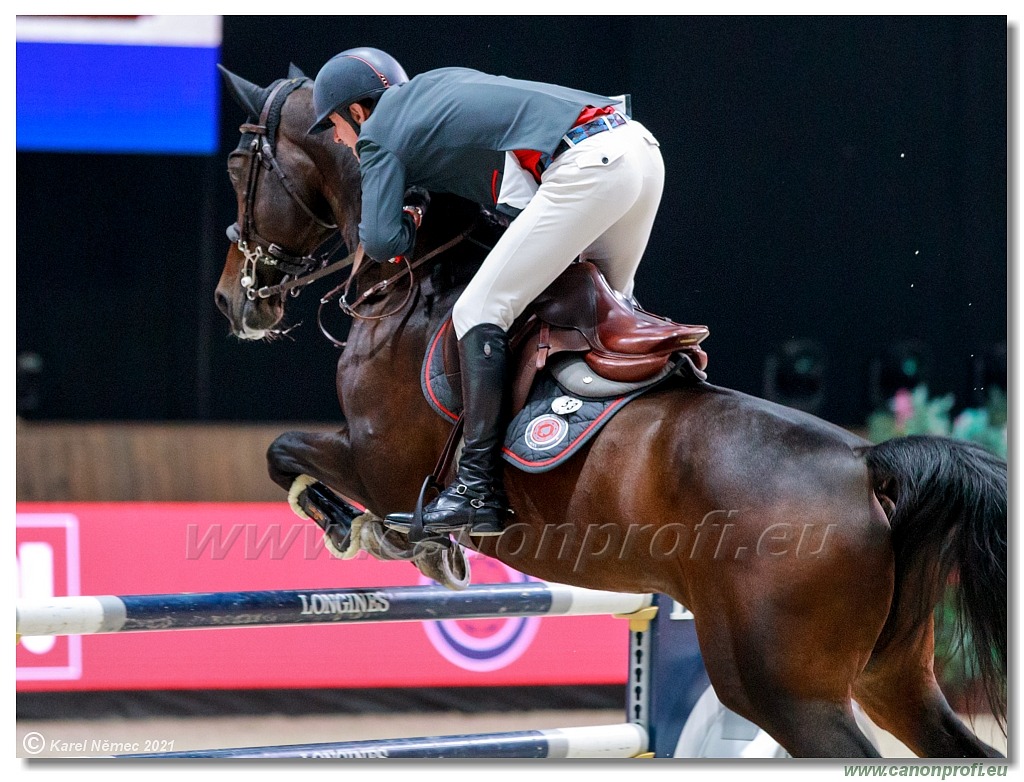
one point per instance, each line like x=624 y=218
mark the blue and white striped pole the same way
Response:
x=598 y=741
x=114 y=614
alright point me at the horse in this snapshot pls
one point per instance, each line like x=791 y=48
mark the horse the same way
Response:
x=811 y=559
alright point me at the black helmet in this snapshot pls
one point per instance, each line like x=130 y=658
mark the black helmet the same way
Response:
x=351 y=76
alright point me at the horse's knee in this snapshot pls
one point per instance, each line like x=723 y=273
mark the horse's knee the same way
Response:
x=282 y=464
x=325 y=456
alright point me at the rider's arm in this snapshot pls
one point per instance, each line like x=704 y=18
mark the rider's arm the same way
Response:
x=385 y=229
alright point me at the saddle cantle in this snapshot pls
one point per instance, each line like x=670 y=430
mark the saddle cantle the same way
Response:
x=617 y=330
x=580 y=313
x=619 y=341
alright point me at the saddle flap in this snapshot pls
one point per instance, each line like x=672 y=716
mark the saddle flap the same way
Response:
x=582 y=300
x=573 y=375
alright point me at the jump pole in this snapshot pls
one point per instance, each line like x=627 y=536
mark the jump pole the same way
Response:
x=135 y=613
x=597 y=741
x=665 y=673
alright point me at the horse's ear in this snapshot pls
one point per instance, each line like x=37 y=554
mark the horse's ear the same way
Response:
x=246 y=94
x=295 y=72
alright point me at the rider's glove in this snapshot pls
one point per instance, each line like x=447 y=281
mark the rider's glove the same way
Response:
x=417 y=196
x=416 y=213
x=416 y=201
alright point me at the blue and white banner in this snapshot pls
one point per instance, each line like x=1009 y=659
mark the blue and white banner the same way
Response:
x=129 y=84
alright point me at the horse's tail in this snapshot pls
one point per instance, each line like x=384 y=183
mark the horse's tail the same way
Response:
x=949 y=512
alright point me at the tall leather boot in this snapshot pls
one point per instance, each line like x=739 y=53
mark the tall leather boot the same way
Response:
x=476 y=499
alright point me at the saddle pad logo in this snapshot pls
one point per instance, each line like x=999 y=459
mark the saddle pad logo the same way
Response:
x=483 y=645
x=545 y=432
x=566 y=405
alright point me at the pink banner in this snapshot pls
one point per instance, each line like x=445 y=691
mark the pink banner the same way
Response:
x=123 y=549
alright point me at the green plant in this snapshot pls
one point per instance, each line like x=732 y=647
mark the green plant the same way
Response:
x=986 y=425
x=914 y=412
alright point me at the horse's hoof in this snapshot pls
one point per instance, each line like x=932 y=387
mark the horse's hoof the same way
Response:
x=446 y=566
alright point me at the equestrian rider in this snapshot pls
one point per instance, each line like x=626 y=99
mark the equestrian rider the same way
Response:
x=582 y=180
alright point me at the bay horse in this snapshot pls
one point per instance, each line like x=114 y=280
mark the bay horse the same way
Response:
x=811 y=559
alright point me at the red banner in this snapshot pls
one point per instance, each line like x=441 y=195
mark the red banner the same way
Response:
x=143 y=548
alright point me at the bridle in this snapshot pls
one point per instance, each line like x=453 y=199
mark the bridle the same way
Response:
x=299 y=270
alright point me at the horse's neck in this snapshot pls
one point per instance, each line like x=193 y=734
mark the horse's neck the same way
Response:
x=340 y=171
x=337 y=166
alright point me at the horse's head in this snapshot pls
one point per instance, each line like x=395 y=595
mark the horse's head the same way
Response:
x=287 y=208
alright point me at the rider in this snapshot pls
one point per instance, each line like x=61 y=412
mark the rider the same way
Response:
x=581 y=178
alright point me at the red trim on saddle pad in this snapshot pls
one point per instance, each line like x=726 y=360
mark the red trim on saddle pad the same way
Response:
x=438 y=340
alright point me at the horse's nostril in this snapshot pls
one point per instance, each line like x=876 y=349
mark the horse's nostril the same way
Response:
x=222 y=302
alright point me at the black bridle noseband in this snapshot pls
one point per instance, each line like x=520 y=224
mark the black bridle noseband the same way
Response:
x=299 y=270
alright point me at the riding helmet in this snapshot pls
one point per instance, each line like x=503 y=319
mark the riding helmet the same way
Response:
x=351 y=76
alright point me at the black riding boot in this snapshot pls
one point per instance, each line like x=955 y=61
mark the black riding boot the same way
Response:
x=476 y=498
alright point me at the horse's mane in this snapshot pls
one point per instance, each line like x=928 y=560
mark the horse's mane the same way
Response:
x=449 y=216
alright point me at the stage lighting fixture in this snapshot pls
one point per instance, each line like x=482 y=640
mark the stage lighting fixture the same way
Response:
x=904 y=365
x=794 y=375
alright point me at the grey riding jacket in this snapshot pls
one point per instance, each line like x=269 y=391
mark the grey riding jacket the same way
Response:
x=449 y=130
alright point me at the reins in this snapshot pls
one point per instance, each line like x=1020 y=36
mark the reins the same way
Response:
x=356 y=260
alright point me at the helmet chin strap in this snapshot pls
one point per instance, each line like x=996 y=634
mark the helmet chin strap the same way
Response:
x=353 y=123
x=345 y=112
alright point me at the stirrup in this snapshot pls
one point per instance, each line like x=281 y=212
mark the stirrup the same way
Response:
x=413 y=525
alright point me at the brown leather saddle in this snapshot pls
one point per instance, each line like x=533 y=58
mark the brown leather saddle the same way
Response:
x=579 y=312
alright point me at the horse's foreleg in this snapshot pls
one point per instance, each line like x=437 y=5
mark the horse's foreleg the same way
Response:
x=318 y=471
x=324 y=456
x=899 y=692
x=316 y=468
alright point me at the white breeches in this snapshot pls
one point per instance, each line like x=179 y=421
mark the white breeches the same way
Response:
x=597 y=201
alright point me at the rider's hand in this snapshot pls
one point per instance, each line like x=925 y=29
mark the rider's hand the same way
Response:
x=417 y=196
x=415 y=202
x=416 y=213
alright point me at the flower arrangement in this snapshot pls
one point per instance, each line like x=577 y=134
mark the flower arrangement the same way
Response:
x=914 y=412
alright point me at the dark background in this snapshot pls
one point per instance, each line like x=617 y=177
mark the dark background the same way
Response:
x=839 y=180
